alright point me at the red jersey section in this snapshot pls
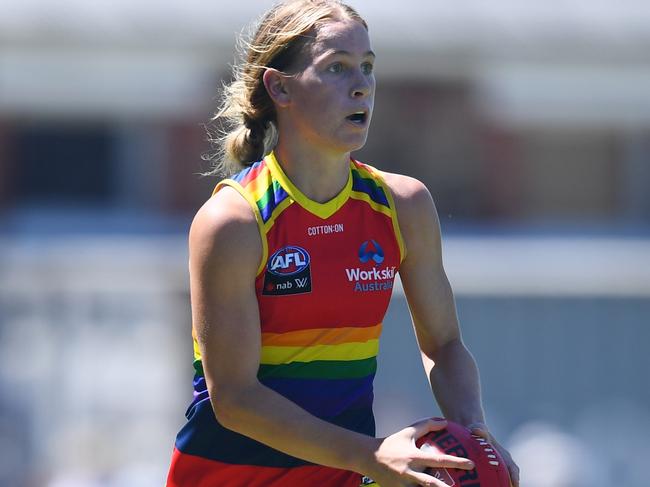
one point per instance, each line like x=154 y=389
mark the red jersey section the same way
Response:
x=323 y=286
x=332 y=285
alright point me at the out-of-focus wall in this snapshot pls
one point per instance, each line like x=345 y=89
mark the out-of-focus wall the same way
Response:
x=510 y=112
x=529 y=122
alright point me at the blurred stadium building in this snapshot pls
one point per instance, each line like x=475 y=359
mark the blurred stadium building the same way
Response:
x=529 y=122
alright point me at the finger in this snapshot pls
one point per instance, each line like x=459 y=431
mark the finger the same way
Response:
x=479 y=429
x=445 y=461
x=424 y=426
x=513 y=470
x=425 y=480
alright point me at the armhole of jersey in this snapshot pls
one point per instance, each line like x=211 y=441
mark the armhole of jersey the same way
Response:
x=393 y=216
x=258 y=217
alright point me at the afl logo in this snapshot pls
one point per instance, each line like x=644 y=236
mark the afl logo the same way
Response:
x=288 y=261
x=288 y=272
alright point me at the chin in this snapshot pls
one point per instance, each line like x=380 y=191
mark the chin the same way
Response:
x=344 y=144
x=358 y=146
x=354 y=144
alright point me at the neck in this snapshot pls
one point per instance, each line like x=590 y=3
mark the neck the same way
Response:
x=318 y=175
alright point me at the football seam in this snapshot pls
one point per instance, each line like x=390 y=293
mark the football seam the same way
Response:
x=488 y=449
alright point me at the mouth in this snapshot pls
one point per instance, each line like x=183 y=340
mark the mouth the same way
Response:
x=358 y=118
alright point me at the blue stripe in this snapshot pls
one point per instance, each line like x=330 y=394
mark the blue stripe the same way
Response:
x=199 y=384
x=277 y=195
x=325 y=397
x=203 y=436
x=369 y=187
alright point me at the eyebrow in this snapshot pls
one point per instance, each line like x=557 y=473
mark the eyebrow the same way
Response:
x=333 y=52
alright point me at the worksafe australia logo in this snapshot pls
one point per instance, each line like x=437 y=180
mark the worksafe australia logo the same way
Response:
x=371 y=278
x=370 y=249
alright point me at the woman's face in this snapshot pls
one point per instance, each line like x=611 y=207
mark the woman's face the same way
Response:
x=332 y=96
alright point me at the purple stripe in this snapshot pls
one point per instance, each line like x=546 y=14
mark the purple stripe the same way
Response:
x=200 y=389
x=325 y=397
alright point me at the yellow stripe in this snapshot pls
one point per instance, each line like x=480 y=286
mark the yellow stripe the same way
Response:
x=396 y=229
x=260 y=185
x=358 y=195
x=258 y=217
x=197 y=351
x=345 y=351
x=322 y=210
x=321 y=336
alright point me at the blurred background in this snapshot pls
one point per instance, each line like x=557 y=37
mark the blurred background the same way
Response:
x=529 y=122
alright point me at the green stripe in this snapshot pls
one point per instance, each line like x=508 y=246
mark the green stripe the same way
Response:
x=264 y=199
x=376 y=188
x=318 y=369
x=369 y=180
x=198 y=368
x=321 y=369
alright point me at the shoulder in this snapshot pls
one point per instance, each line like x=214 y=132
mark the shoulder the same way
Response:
x=405 y=187
x=410 y=194
x=225 y=228
x=416 y=214
x=412 y=198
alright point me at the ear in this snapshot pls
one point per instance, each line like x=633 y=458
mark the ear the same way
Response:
x=276 y=86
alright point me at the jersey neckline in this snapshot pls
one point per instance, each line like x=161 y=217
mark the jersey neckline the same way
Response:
x=321 y=210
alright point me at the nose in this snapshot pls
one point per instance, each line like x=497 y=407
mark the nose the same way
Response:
x=362 y=85
x=360 y=92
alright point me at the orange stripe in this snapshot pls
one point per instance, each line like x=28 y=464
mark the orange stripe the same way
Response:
x=263 y=172
x=321 y=336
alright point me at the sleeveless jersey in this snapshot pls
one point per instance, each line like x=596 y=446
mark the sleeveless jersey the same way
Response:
x=323 y=286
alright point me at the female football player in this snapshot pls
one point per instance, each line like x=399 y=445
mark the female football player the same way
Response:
x=292 y=263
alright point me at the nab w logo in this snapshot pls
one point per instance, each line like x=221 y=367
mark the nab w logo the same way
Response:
x=370 y=249
x=301 y=282
x=288 y=261
x=288 y=271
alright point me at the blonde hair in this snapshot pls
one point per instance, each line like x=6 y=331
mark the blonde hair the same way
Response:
x=246 y=110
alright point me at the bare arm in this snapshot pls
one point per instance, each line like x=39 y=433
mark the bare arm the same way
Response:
x=454 y=378
x=225 y=250
x=450 y=367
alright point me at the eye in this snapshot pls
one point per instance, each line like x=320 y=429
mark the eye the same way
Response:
x=335 y=68
x=367 y=68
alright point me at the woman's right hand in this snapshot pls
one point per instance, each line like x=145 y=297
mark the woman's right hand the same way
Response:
x=398 y=462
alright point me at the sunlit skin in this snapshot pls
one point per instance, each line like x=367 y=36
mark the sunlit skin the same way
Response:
x=334 y=79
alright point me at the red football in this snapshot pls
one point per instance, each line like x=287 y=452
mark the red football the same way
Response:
x=490 y=470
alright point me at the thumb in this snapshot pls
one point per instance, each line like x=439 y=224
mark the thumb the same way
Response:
x=424 y=426
x=479 y=429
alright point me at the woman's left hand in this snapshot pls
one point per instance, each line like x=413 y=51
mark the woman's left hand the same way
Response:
x=480 y=429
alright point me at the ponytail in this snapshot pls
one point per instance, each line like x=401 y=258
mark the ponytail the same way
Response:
x=250 y=141
x=249 y=132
